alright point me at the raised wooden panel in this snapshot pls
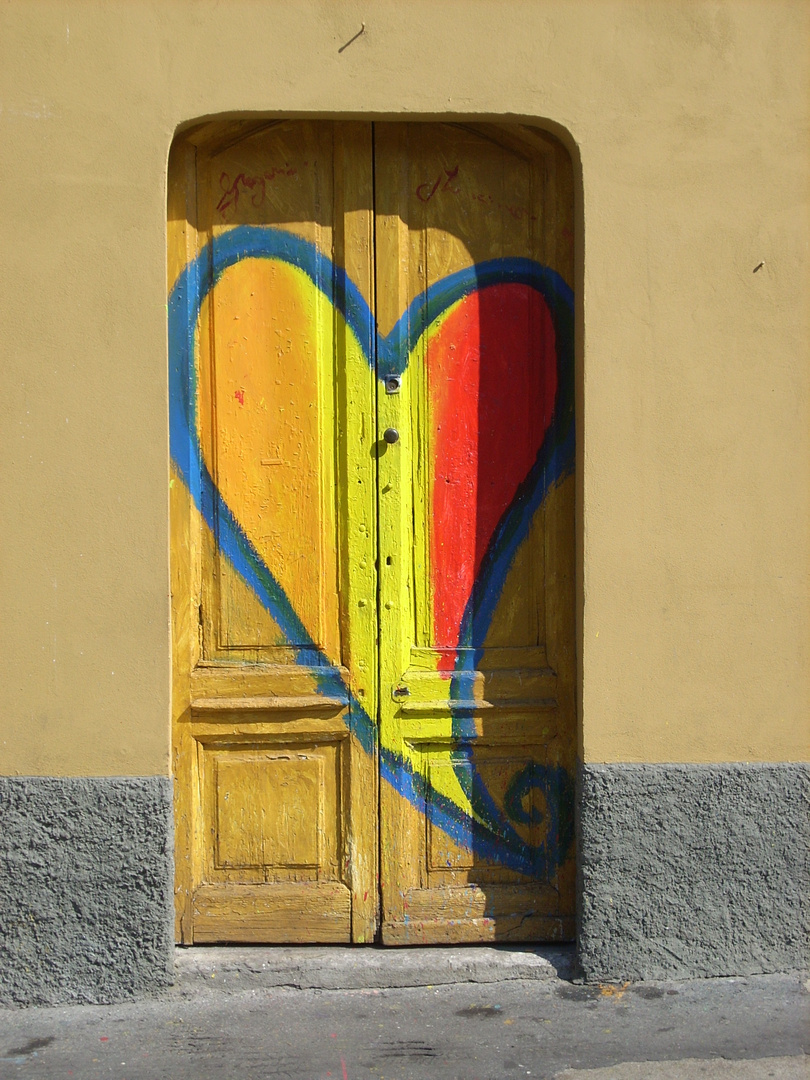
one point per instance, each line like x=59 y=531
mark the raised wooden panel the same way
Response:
x=477 y=914
x=317 y=913
x=267 y=378
x=270 y=811
x=446 y=856
x=273 y=465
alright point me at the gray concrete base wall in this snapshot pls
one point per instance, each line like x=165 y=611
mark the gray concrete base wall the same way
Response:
x=85 y=888
x=685 y=870
x=693 y=870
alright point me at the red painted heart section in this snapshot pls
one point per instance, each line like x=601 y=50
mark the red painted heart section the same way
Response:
x=492 y=376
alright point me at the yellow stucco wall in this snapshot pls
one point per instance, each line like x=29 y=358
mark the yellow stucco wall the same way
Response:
x=689 y=121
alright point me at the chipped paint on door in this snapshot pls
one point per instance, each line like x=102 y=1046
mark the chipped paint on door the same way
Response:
x=476 y=534
x=280 y=359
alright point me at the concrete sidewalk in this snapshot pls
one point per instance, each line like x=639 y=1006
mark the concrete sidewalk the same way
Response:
x=421 y=1014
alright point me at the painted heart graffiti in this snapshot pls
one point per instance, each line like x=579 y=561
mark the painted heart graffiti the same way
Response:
x=502 y=490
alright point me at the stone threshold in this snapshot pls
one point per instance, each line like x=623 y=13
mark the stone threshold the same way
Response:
x=246 y=967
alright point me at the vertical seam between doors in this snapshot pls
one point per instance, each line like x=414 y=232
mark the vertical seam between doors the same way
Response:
x=375 y=421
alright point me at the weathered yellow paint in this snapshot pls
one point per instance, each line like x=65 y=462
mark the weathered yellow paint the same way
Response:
x=269 y=425
x=448 y=198
x=693 y=527
x=276 y=805
x=283 y=469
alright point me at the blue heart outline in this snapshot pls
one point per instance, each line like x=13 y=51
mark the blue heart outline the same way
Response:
x=493 y=836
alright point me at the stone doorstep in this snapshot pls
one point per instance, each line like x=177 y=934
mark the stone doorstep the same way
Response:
x=245 y=967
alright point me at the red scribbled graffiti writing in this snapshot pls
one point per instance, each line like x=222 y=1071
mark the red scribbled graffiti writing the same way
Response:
x=426 y=191
x=518 y=212
x=255 y=185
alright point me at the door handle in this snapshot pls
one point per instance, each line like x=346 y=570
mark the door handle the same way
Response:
x=391 y=435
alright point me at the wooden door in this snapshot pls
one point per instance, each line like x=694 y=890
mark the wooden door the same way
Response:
x=370 y=634
x=473 y=246
x=273 y=533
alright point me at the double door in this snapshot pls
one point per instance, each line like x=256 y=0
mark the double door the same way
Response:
x=372 y=435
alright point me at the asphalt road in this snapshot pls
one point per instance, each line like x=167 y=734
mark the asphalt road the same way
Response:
x=719 y=1029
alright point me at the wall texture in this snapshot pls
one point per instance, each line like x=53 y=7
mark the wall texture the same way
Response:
x=694 y=870
x=691 y=124
x=689 y=121
x=85 y=888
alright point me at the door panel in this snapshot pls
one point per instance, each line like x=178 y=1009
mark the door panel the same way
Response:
x=270 y=461
x=275 y=516
x=476 y=697
x=371 y=634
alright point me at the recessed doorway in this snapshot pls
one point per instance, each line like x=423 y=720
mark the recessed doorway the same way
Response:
x=372 y=513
